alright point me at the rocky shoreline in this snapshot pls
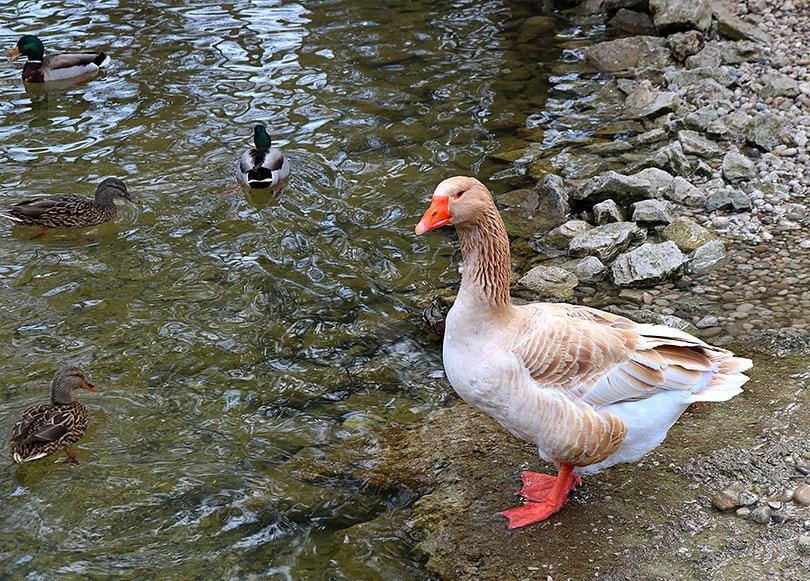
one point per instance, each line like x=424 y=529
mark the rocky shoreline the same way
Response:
x=688 y=203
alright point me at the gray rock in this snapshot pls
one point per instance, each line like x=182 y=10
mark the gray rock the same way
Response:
x=803 y=544
x=694 y=143
x=708 y=257
x=550 y=282
x=683 y=192
x=588 y=269
x=717 y=53
x=730 y=26
x=633 y=22
x=685 y=44
x=761 y=515
x=622 y=189
x=537 y=210
x=766 y=132
x=608 y=212
x=732 y=127
x=646 y=102
x=737 y=167
x=648 y=265
x=687 y=235
x=606 y=242
x=709 y=92
x=681 y=15
x=660 y=179
x=672 y=159
x=562 y=235
x=652 y=212
x=776 y=84
x=631 y=53
x=701 y=119
x=733 y=201
x=688 y=77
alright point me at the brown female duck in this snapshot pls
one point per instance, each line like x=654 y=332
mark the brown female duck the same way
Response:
x=55 y=67
x=70 y=210
x=51 y=427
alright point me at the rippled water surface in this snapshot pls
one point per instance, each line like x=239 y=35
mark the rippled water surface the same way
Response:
x=227 y=334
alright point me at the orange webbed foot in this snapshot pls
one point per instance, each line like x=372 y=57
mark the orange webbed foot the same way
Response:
x=546 y=495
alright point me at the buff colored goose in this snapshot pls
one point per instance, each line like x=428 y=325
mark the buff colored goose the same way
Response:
x=589 y=388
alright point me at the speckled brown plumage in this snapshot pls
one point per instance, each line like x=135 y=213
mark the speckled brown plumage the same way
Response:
x=70 y=210
x=54 y=426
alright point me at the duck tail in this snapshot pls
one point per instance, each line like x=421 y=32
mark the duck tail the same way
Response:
x=101 y=60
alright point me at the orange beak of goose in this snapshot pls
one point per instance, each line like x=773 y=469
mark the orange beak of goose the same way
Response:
x=437 y=215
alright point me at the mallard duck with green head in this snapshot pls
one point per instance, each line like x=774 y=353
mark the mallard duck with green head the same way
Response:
x=55 y=67
x=52 y=427
x=70 y=210
x=263 y=166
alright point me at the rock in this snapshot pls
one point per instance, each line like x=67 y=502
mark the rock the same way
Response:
x=735 y=28
x=606 y=242
x=537 y=210
x=652 y=212
x=685 y=44
x=683 y=192
x=672 y=159
x=535 y=27
x=724 y=52
x=776 y=84
x=802 y=495
x=562 y=235
x=694 y=143
x=660 y=179
x=734 y=201
x=648 y=265
x=608 y=212
x=631 y=53
x=736 y=167
x=550 y=282
x=803 y=544
x=732 y=127
x=767 y=132
x=709 y=91
x=689 y=77
x=588 y=269
x=646 y=102
x=633 y=22
x=687 y=235
x=622 y=189
x=681 y=15
x=701 y=119
x=729 y=497
x=761 y=515
x=708 y=257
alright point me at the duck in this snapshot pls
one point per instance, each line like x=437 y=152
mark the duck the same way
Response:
x=55 y=67
x=49 y=428
x=263 y=166
x=589 y=388
x=70 y=210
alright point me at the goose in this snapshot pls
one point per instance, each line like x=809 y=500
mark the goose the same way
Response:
x=51 y=427
x=589 y=388
x=70 y=210
x=55 y=67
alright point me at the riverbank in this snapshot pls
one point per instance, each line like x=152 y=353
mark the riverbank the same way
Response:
x=657 y=519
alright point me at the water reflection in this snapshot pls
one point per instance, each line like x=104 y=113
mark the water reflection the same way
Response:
x=231 y=334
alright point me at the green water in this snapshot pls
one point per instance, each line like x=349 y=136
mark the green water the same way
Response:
x=230 y=334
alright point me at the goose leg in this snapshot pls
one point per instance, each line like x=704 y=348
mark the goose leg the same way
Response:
x=551 y=493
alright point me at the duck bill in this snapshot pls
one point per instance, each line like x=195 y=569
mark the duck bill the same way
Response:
x=436 y=216
x=88 y=386
x=14 y=53
x=131 y=198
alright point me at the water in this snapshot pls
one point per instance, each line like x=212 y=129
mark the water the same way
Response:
x=230 y=335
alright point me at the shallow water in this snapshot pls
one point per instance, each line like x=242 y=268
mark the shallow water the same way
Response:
x=228 y=334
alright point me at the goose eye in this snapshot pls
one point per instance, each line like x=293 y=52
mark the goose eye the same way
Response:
x=458 y=195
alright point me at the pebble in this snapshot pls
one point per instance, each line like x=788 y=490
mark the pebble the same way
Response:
x=803 y=544
x=761 y=515
x=802 y=495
